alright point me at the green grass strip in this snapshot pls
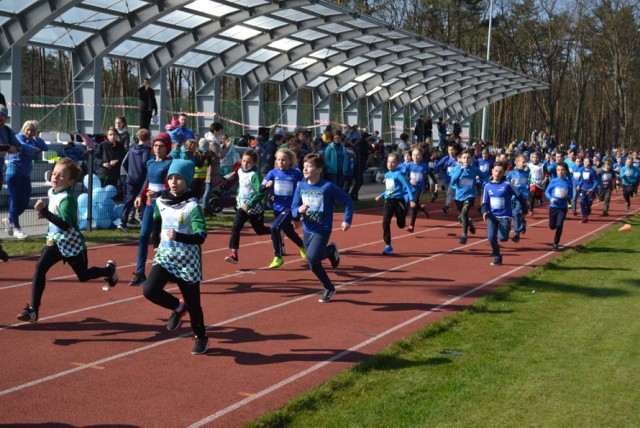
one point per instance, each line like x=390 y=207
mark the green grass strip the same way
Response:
x=558 y=347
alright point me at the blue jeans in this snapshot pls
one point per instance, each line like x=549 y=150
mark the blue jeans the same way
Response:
x=497 y=230
x=205 y=196
x=586 y=200
x=316 y=246
x=19 y=187
x=518 y=220
x=146 y=227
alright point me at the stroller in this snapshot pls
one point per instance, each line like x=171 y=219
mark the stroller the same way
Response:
x=223 y=193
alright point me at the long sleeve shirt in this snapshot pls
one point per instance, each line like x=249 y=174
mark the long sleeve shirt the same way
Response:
x=396 y=186
x=464 y=179
x=560 y=189
x=496 y=198
x=320 y=198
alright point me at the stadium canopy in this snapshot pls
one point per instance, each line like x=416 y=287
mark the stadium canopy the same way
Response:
x=292 y=43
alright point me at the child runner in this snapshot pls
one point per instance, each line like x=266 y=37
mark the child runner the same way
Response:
x=463 y=180
x=418 y=174
x=248 y=203
x=313 y=202
x=283 y=179
x=154 y=185
x=608 y=180
x=559 y=192
x=135 y=165
x=64 y=239
x=179 y=230
x=587 y=185
x=396 y=195
x=629 y=175
x=574 y=170
x=519 y=177
x=496 y=209
x=538 y=179
x=447 y=164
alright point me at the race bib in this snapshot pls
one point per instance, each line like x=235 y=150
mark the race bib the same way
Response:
x=283 y=188
x=496 y=203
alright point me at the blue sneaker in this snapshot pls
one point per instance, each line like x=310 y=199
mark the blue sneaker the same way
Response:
x=388 y=249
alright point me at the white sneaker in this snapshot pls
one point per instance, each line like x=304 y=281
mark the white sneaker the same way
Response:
x=18 y=233
x=8 y=226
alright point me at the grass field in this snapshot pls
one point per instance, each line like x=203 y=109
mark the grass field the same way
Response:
x=559 y=347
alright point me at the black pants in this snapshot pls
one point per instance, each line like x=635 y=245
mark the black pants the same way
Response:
x=145 y=118
x=464 y=207
x=257 y=222
x=393 y=207
x=417 y=195
x=154 y=292
x=556 y=222
x=49 y=257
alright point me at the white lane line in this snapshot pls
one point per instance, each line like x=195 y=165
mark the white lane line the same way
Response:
x=280 y=305
x=367 y=342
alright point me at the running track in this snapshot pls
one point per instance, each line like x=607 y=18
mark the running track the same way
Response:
x=98 y=358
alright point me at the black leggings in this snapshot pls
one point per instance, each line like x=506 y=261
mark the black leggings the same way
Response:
x=50 y=256
x=556 y=222
x=463 y=208
x=257 y=222
x=154 y=291
x=397 y=207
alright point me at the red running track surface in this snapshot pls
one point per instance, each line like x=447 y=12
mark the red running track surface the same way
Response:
x=103 y=358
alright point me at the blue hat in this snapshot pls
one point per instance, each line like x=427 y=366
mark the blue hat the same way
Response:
x=183 y=168
x=3 y=110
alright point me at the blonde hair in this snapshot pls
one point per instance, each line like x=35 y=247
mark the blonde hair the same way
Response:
x=190 y=145
x=30 y=123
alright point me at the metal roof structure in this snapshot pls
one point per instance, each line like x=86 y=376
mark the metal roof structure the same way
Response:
x=294 y=43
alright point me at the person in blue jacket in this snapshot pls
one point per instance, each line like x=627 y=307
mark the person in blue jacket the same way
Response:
x=497 y=209
x=519 y=177
x=313 y=202
x=283 y=179
x=463 y=179
x=587 y=185
x=18 y=175
x=418 y=174
x=135 y=165
x=629 y=175
x=396 y=195
x=337 y=162
x=559 y=192
x=443 y=168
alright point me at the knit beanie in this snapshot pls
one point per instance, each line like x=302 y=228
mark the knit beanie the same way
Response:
x=165 y=138
x=183 y=168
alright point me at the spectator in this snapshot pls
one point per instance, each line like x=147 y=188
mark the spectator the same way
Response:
x=147 y=105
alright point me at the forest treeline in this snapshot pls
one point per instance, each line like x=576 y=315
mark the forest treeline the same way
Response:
x=587 y=51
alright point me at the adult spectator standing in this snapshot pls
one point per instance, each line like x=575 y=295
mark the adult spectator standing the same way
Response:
x=418 y=131
x=457 y=129
x=428 y=128
x=182 y=123
x=18 y=173
x=362 y=150
x=147 y=105
x=336 y=161
x=108 y=159
x=442 y=133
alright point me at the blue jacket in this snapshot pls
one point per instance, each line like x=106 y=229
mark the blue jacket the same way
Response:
x=332 y=157
x=284 y=186
x=21 y=163
x=464 y=181
x=135 y=163
x=562 y=190
x=320 y=198
x=396 y=186
x=496 y=198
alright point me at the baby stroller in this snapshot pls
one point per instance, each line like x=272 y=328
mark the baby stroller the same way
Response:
x=223 y=193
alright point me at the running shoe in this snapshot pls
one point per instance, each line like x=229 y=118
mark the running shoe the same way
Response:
x=138 y=278
x=175 y=319
x=8 y=226
x=18 y=233
x=326 y=296
x=276 y=263
x=334 y=254
x=303 y=253
x=496 y=262
x=232 y=258
x=200 y=346
x=28 y=314
x=410 y=229
x=388 y=249
x=112 y=279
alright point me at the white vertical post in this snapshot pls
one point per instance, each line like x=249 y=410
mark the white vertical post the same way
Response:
x=485 y=109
